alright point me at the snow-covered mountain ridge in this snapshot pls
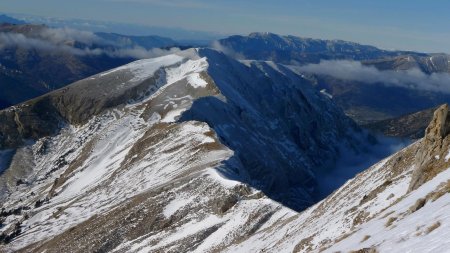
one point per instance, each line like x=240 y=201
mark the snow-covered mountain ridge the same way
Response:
x=197 y=152
x=181 y=140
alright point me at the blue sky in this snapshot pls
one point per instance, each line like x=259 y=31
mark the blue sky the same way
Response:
x=391 y=24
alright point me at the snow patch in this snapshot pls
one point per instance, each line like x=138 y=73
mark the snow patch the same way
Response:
x=196 y=81
x=144 y=69
x=217 y=176
x=177 y=204
x=447 y=157
x=172 y=115
x=187 y=69
x=155 y=118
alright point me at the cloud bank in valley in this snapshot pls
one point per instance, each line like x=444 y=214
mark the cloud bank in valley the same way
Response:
x=61 y=40
x=356 y=71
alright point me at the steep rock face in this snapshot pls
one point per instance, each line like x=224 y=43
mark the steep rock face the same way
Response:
x=434 y=145
x=439 y=126
x=167 y=154
x=286 y=108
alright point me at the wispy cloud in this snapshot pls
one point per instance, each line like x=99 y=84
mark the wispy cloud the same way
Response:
x=355 y=71
x=226 y=50
x=59 y=41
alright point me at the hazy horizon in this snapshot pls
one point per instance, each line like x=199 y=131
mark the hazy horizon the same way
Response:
x=399 y=25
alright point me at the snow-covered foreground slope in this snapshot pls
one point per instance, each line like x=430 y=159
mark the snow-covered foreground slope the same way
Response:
x=196 y=152
x=380 y=210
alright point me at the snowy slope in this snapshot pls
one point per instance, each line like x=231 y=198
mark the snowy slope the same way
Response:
x=190 y=149
x=197 y=152
x=105 y=162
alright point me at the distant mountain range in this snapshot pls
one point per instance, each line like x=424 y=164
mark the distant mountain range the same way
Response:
x=184 y=36
x=10 y=20
x=420 y=82
x=293 y=49
x=428 y=63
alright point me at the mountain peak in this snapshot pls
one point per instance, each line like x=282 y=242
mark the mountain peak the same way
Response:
x=439 y=126
x=263 y=34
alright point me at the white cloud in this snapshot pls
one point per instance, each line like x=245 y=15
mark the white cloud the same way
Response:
x=355 y=71
x=226 y=50
x=55 y=40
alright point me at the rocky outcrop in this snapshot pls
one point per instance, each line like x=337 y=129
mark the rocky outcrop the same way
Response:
x=33 y=120
x=432 y=156
x=439 y=126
